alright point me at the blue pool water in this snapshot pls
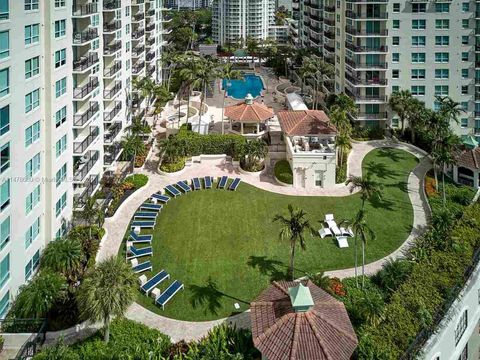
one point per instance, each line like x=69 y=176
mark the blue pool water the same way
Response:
x=238 y=89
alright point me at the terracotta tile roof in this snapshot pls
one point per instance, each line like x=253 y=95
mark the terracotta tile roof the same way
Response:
x=469 y=158
x=253 y=113
x=306 y=122
x=323 y=332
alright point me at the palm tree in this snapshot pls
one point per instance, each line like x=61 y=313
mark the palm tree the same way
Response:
x=172 y=149
x=63 y=256
x=306 y=71
x=228 y=73
x=344 y=103
x=37 y=298
x=368 y=188
x=189 y=74
x=162 y=96
x=146 y=87
x=343 y=143
x=252 y=48
x=444 y=155
x=107 y=291
x=339 y=118
x=417 y=117
x=89 y=214
x=207 y=72
x=321 y=69
x=449 y=108
x=138 y=127
x=252 y=152
x=363 y=232
x=132 y=146
x=399 y=102
x=293 y=229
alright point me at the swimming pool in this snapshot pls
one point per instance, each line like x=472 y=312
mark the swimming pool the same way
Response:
x=238 y=89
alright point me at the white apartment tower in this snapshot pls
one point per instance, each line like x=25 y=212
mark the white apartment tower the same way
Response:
x=381 y=46
x=235 y=20
x=66 y=69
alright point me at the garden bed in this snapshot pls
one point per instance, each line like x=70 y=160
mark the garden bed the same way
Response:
x=121 y=192
x=283 y=173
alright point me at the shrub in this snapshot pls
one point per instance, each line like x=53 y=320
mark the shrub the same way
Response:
x=138 y=180
x=2 y=343
x=336 y=287
x=283 y=172
x=430 y=186
x=392 y=275
x=172 y=167
x=341 y=173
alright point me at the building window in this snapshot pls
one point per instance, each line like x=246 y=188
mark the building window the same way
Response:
x=442 y=40
x=95 y=44
x=441 y=73
x=32 y=233
x=32 y=166
x=60 y=116
x=465 y=7
x=94 y=20
x=60 y=3
x=4 y=10
x=465 y=56
x=4 y=195
x=32 y=100
x=464 y=90
x=395 y=57
x=418 y=90
x=465 y=39
x=32 y=200
x=4 y=157
x=464 y=73
x=442 y=7
x=32 y=34
x=419 y=7
x=4 y=305
x=61 y=175
x=4 y=270
x=32 y=265
x=32 y=134
x=395 y=88
x=418 y=74
x=60 y=28
x=31 y=5
x=442 y=57
x=61 y=87
x=418 y=58
x=395 y=74
x=61 y=204
x=4 y=232
x=4 y=82
x=396 y=40
x=442 y=24
x=419 y=24
x=461 y=327
x=61 y=146
x=4 y=44
x=127 y=11
x=441 y=90
x=4 y=120
x=60 y=58
x=418 y=40
x=32 y=67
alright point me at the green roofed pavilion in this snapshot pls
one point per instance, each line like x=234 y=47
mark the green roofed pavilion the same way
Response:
x=301 y=298
x=470 y=142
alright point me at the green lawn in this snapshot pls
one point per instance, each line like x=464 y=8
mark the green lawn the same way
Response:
x=224 y=247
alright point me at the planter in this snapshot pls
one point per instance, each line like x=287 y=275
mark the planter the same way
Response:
x=171 y=173
x=245 y=172
x=282 y=183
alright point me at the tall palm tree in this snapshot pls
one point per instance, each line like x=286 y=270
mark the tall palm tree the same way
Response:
x=228 y=73
x=449 y=108
x=252 y=152
x=343 y=143
x=252 y=48
x=132 y=146
x=306 y=71
x=417 y=117
x=363 y=232
x=339 y=118
x=172 y=149
x=444 y=155
x=399 y=102
x=189 y=74
x=321 y=69
x=207 y=72
x=138 y=127
x=63 y=256
x=293 y=230
x=89 y=214
x=344 y=103
x=107 y=291
x=368 y=188
x=146 y=87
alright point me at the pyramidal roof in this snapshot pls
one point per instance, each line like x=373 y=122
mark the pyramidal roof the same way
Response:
x=301 y=297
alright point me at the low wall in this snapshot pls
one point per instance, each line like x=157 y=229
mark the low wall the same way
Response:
x=16 y=341
x=220 y=159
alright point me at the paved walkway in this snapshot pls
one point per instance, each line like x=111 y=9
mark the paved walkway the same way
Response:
x=115 y=227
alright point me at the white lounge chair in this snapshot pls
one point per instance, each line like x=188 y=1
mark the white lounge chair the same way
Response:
x=324 y=232
x=346 y=231
x=328 y=217
x=142 y=279
x=331 y=223
x=342 y=241
x=335 y=230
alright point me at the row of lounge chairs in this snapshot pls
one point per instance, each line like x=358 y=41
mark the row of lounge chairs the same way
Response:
x=341 y=233
x=151 y=287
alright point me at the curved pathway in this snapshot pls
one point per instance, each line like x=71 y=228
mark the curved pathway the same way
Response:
x=186 y=330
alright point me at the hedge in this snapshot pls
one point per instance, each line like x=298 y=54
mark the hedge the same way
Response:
x=283 y=172
x=196 y=144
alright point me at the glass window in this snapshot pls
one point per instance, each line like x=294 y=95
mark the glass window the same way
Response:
x=465 y=23
x=4 y=10
x=60 y=28
x=4 y=232
x=465 y=7
x=441 y=57
x=418 y=57
x=32 y=233
x=32 y=100
x=395 y=57
x=396 y=40
x=419 y=24
x=60 y=116
x=61 y=146
x=4 y=120
x=461 y=327
x=442 y=40
x=61 y=204
x=419 y=7
x=32 y=200
x=441 y=90
x=442 y=24
x=60 y=58
x=61 y=175
x=4 y=195
x=4 y=82
x=4 y=44
x=418 y=90
x=32 y=166
x=395 y=73
x=31 y=5
x=32 y=67
x=418 y=74
x=442 y=7
x=61 y=87
x=418 y=40
x=32 y=34
x=4 y=304
x=60 y=3
x=4 y=157
x=32 y=134
x=465 y=74
x=464 y=122
x=441 y=73
x=465 y=39
x=465 y=56
x=4 y=270
x=395 y=24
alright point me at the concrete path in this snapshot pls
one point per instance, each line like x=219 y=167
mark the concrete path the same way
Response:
x=116 y=226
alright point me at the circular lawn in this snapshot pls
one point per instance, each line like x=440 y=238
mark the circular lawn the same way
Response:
x=225 y=248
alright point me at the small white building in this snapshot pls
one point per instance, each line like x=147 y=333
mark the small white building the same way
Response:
x=310 y=147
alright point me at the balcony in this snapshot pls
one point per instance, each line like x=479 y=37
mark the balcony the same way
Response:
x=330 y=9
x=112 y=132
x=357 y=32
x=108 y=94
x=90 y=185
x=137 y=68
x=85 y=62
x=83 y=37
x=138 y=17
x=138 y=2
x=108 y=116
x=367 y=116
x=151 y=41
x=138 y=34
x=150 y=56
x=150 y=70
x=330 y=49
x=112 y=70
x=112 y=26
x=84 y=10
x=365 y=66
x=364 y=49
x=329 y=22
x=370 y=98
x=112 y=154
x=370 y=16
x=85 y=166
x=79 y=120
x=80 y=93
x=150 y=27
x=138 y=50
x=112 y=48
x=366 y=82
x=111 y=5
x=79 y=147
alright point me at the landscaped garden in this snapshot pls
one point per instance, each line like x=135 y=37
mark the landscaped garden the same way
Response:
x=211 y=241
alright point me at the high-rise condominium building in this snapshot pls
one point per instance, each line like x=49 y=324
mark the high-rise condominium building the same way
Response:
x=235 y=20
x=380 y=46
x=66 y=71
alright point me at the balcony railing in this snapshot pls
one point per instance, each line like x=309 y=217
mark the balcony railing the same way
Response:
x=150 y=56
x=353 y=31
x=112 y=132
x=111 y=154
x=79 y=147
x=362 y=16
x=150 y=70
x=112 y=48
x=358 y=81
x=151 y=41
x=329 y=48
x=80 y=174
x=367 y=116
x=84 y=36
x=139 y=17
x=138 y=34
x=329 y=22
x=112 y=70
x=82 y=119
x=110 y=93
x=373 y=98
x=85 y=62
x=150 y=27
x=138 y=67
x=329 y=9
x=355 y=48
x=112 y=26
x=108 y=116
x=84 y=10
x=137 y=51
x=81 y=92
x=111 y=5
x=90 y=185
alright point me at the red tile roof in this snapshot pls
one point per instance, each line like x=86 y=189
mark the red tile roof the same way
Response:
x=253 y=113
x=323 y=332
x=306 y=122
x=469 y=158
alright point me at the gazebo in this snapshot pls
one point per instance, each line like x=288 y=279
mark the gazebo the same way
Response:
x=466 y=169
x=298 y=320
x=250 y=115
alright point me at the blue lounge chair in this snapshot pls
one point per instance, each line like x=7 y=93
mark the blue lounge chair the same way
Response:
x=169 y=292
x=145 y=266
x=137 y=238
x=154 y=281
x=151 y=207
x=162 y=198
x=233 y=186
x=208 y=182
x=143 y=224
x=196 y=184
x=133 y=252
x=145 y=215
x=223 y=182
x=182 y=185
x=173 y=190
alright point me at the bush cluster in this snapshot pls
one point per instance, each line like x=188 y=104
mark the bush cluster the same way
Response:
x=172 y=167
x=283 y=172
x=138 y=180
